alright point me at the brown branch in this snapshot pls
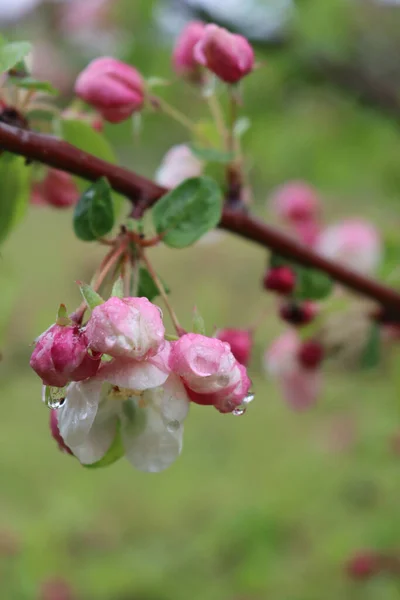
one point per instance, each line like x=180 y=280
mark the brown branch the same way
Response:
x=143 y=193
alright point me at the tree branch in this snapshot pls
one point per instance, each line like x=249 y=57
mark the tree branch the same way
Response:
x=143 y=193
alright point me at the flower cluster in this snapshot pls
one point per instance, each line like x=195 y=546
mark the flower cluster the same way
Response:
x=117 y=90
x=127 y=389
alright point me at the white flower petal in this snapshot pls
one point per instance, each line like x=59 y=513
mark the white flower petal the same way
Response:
x=156 y=443
x=155 y=448
x=98 y=440
x=172 y=399
x=132 y=374
x=78 y=412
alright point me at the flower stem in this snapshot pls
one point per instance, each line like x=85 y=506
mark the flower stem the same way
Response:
x=218 y=116
x=178 y=116
x=179 y=330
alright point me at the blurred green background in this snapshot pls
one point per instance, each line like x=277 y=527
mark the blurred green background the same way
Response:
x=267 y=506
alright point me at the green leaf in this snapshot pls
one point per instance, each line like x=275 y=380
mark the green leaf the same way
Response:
x=13 y=53
x=28 y=83
x=84 y=137
x=94 y=213
x=312 y=284
x=118 y=288
x=198 y=325
x=212 y=154
x=114 y=453
x=62 y=316
x=372 y=352
x=188 y=212
x=14 y=193
x=147 y=287
x=91 y=297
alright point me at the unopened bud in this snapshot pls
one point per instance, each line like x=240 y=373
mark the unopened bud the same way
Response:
x=183 y=59
x=240 y=341
x=112 y=87
x=281 y=280
x=363 y=565
x=298 y=314
x=310 y=354
x=228 y=55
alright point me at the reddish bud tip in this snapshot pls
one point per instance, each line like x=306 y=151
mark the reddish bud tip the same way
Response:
x=240 y=341
x=281 y=280
x=55 y=432
x=298 y=314
x=310 y=354
x=363 y=565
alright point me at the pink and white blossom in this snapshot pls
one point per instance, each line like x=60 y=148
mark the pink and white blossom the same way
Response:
x=295 y=202
x=210 y=371
x=150 y=413
x=126 y=327
x=299 y=386
x=355 y=243
x=178 y=164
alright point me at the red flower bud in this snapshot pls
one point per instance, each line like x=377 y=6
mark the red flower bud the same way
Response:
x=310 y=354
x=114 y=88
x=298 y=314
x=240 y=341
x=363 y=565
x=281 y=280
x=183 y=59
x=61 y=355
x=57 y=189
x=56 y=589
x=55 y=432
x=226 y=54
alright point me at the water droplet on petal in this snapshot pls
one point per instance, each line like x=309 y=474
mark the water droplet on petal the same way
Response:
x=173 y=426
x=54 y=397
x=249 y=398
x=239 y=410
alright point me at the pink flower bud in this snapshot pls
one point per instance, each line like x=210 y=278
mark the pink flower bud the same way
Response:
x=126 y=327
x=55 y=432
x=228 y=55
x=57 y=189
x=354 y=243
x=310 y=354
x=112 y=87
x=209 y=371
x=281 y=280
x=183 y=59
x=299 y=386
x=177 y=165
x=298 y=314
x=363 y=565
x=240 y=341
x=307 y=231
x=56 y=589
x=295 y=201
x=61 y=355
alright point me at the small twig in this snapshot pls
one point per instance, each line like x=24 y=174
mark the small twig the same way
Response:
x=179 y=330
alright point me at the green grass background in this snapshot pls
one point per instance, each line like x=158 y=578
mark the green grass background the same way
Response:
x=265 y=506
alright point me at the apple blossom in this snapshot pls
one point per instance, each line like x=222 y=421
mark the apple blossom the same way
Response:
x=127 y=327
x=178 y=164
x=183 y=60
x=300 y=386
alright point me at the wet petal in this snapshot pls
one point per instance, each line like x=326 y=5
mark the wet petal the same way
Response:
x=132 y=374
x=155 y=448
x=78 y=412
x=98 y=440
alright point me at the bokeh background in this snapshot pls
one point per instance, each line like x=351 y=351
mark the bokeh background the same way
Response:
x=271 y=505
